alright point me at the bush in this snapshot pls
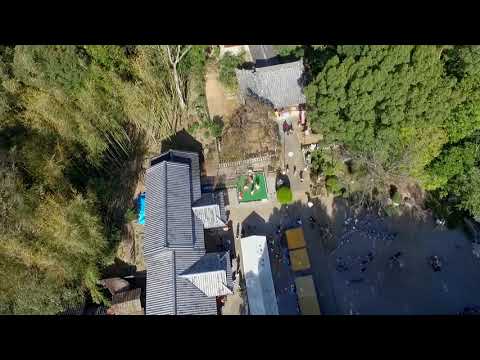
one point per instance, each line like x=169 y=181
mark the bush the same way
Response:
x=228 y=64
x=284 y=195
x=213 y=126
x=396 y=198
x=130 y=215
x=192 y=129
x=391 y=211
x=334 y=186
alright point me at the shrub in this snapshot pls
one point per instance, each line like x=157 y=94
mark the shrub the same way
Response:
x=228 y=64
x=396 y=198
x=284 y=195
x=192 y=129
x=130 y=215
x=391 y=211
x=213 y=126
x=333 y=186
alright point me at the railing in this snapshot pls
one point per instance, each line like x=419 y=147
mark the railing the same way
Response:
x=246 y=162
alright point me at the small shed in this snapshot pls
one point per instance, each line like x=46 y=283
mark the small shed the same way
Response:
x=307 y=295
x=127 y=303
x=295 y=238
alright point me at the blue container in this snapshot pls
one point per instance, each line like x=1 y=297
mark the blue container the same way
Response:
x=141 y=208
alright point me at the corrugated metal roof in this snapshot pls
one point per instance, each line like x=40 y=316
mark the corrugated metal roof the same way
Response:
x=307 y=295
x=278 y=85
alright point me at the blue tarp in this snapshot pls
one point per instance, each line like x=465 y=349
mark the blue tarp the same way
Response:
x=141 y=208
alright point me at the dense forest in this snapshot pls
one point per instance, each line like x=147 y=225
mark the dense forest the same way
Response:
x=403 y=114
x=76 y=123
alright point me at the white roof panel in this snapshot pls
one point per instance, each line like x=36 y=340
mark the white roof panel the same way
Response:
x=258 y=276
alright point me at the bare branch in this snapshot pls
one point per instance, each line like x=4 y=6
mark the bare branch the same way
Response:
x=170 y=59
x=185 y=52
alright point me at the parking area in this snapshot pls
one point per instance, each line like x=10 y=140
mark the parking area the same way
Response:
x=384 y=267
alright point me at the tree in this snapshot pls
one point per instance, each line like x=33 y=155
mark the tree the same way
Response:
x=76 y=124
x=396 y=109
x=175 y=54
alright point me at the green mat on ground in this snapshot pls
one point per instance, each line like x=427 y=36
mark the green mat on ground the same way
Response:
x=259 y=194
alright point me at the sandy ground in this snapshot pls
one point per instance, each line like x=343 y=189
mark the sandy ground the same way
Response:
x=219 y=103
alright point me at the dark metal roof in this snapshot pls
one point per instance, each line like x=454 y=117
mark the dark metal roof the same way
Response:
x=127 y=303
x=278 y=85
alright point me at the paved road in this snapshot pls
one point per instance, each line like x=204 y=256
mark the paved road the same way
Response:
x=263 y=55
x=293 y=145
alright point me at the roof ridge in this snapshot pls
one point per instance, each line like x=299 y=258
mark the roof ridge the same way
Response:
x=218 y=286
x=279 y=66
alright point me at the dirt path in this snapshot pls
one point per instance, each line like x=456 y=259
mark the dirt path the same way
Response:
x=219 y=103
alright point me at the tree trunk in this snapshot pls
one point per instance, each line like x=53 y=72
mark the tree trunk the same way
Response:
x=177 y=87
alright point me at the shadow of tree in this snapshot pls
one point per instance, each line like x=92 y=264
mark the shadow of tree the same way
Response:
x=119 y=268
x=183 y=141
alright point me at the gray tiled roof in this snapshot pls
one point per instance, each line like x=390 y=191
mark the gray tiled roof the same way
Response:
x=160 y=297
x=174 y=240
x=214 y=198
x=195 y=171
x=211 y=273
x=278 y=85
x=209 y=215
x=168 y=196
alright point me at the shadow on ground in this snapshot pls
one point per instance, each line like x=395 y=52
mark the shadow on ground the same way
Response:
x=183 y=141
x=314 y=222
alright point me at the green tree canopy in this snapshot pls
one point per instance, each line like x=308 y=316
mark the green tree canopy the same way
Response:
x=399 y=109
x=76 y=123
